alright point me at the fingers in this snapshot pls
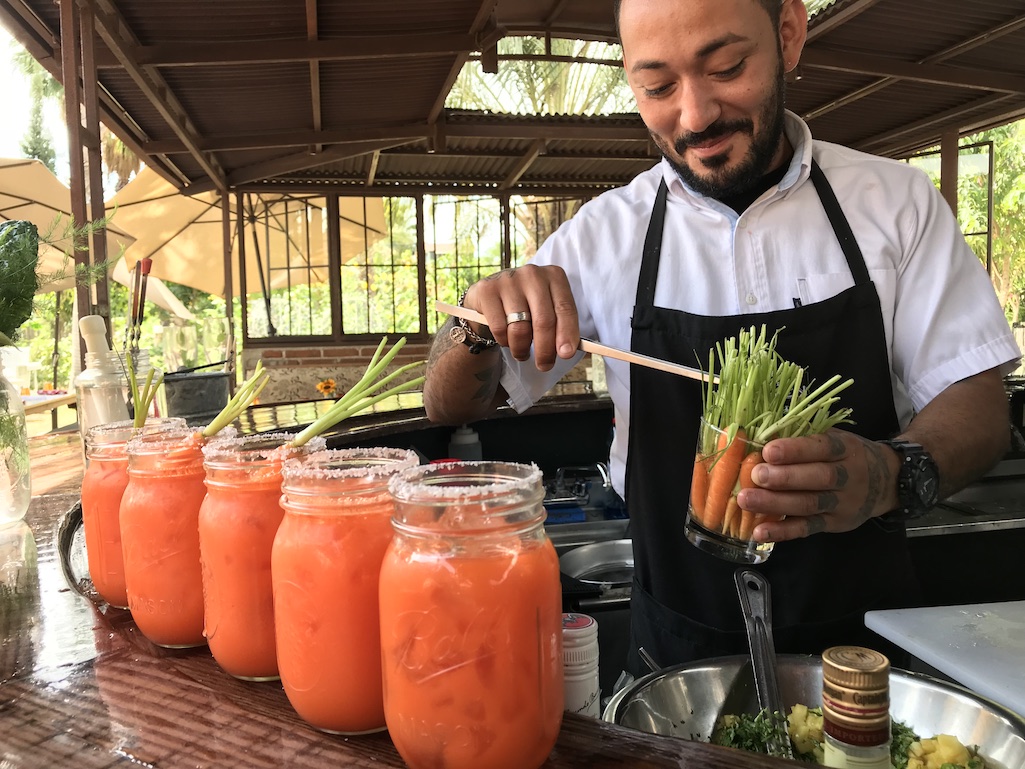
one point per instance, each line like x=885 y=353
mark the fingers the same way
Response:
x=827 y=482
x=529 y=305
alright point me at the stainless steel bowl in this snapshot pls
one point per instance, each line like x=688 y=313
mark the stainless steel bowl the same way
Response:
x=609 y=563
x=684 y=701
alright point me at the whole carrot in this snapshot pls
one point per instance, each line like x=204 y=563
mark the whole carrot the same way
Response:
x=699 y=487
x=747 y=518
x=722 y=480
x=731 y=521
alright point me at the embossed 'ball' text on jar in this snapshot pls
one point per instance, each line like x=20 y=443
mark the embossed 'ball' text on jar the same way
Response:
x=237 y=523
x=326 y=561
x=471 y=619
x=160 y=537
x=103 y=485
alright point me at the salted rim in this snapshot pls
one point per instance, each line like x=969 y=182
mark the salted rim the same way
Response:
x=409 y=484
x=264 y=446
x=152 y=442
x=313 y=466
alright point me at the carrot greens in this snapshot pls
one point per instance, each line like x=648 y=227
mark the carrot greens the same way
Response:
x=366 y=392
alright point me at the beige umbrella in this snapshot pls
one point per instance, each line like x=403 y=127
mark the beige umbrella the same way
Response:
x=30 y=192
x=286 y=237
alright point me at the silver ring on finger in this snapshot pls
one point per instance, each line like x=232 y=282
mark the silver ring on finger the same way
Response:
x=517 y=317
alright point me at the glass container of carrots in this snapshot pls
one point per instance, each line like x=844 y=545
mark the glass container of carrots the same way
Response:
x=160 y=536
x=237 y=523
x=104 y=482
x=471 y=619
x=326 y=560
x=715 y=522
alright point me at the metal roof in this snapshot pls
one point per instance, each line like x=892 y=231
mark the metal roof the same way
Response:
x=350 y=93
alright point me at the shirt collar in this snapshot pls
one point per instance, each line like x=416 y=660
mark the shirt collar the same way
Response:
x=797 y=132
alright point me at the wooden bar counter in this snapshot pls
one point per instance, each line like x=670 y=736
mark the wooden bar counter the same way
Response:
x=81 y=688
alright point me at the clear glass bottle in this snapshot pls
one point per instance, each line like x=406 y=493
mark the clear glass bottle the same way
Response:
x=326 y=561
x=856 y=708
x=237 y=523
x=471 y=619
x=15 y=473
x=103 y=485
x=101 y=391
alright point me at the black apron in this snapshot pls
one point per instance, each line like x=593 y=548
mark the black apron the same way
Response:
x=684 y=603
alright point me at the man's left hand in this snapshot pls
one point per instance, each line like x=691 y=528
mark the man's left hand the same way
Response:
x=830 y=482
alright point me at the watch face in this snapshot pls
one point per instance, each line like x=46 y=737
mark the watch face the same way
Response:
x=927 y=480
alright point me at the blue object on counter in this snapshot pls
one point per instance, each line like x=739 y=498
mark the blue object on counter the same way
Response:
x=565 y=515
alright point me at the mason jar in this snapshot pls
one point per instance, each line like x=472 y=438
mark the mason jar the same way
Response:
x=471 y=619
x=237 y=523
x=326 y=560
x=103 y=485
x=160 y=536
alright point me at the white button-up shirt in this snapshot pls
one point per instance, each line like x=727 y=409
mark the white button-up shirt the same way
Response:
x=942 y=320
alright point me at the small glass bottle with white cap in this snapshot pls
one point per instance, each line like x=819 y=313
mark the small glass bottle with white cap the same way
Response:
x=580 y=664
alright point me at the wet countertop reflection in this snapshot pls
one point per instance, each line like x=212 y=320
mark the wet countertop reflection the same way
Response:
x=80 y=687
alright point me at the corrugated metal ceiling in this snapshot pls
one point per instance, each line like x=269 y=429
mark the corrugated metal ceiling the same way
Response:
x=351 y=92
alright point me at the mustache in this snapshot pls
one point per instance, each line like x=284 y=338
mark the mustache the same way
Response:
x=714 y=131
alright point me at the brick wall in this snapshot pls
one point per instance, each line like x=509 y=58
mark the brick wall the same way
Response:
x=295 y=371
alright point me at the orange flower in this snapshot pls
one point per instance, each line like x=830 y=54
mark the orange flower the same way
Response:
x=326 y=387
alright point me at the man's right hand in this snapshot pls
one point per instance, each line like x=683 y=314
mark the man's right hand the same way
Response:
x=543 y=293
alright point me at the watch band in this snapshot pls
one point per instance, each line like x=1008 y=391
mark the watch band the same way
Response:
x=917 y=481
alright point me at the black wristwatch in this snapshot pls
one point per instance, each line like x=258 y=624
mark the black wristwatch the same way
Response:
x=918 y=482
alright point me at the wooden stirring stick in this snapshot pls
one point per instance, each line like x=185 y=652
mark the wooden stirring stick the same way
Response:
x=588 y=345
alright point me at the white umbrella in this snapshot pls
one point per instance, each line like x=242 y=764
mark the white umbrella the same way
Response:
x=286 y=239
x=30 y=192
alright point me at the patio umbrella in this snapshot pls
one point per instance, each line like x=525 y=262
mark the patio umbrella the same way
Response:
x=30 y=192
x=286 y=240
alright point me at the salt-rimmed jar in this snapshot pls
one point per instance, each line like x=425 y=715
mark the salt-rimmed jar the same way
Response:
x=104 y=482
x=471 y=619
x=237 y=523
x=160 y=536
x=325 y=565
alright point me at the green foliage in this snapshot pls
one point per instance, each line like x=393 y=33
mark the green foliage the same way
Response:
x=19 y=254
x=36 y=143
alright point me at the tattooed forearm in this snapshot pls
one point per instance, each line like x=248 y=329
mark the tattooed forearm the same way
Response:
x=879 y=478
x=488 y=379
x=442 y=343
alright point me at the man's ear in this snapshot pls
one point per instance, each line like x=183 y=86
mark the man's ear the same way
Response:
x=793 y=32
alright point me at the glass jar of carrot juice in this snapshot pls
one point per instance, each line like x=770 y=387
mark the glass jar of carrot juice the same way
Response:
x=160 y=536
x=471 y=619
x=326 y=560
x=237 y=523
x=106 y=475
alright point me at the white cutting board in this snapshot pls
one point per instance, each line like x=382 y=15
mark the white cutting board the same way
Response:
x=981 y=646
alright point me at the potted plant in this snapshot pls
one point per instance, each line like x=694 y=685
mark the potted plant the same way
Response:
x=19 y=255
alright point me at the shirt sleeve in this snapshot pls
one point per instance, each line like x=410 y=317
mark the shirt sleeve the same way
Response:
x=948 y=323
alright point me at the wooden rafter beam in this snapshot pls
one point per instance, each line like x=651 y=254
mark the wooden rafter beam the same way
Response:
x=303 y=160
x=312 y=34
x=935 y=123
x=537 y=147
x=945 y=54
x=116 y=33
x=375 y=159
x=585 y=129
x=355 y=48
x=486 y=31
x=935 y=74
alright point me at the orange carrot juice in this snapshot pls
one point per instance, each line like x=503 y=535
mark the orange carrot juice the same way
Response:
x=237 y=524
x=471 y=619
x=104 y=482
x=160 y=537
x=326 y=559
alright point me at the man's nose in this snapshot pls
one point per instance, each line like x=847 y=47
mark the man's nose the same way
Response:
x=697 y=106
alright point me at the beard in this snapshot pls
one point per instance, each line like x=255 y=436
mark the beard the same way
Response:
x=720 y=181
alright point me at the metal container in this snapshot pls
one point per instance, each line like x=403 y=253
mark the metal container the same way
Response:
x=685 y=701
x=609 y=564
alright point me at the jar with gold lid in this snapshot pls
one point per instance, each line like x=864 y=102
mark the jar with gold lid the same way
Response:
x=856 y=708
